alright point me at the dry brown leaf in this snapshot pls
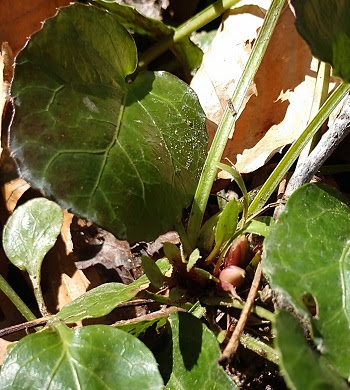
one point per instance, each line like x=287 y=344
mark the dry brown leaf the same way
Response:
x=26 y=14
x=284 y=85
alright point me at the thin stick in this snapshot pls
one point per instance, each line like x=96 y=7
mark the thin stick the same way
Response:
x=24 y=326
x=232 y=345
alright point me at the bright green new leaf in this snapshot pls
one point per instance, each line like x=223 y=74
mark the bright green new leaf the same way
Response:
x=192 y=260
x=259 y=225
x=227 y=223
x=189 y=54
x=325 y=27
x=126 y=155
x=308 y=251
x=30 y=232
x=152 y=272
x=93 y=357
x=103 y=299
x=195 y=356
x=302 y=367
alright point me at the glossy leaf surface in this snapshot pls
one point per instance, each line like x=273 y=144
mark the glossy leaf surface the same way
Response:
x=30 y=232
x=195 y=356
x=302 y=367
x=186 y=51
x=125 y=155
x=93 y=357
x=308 y=251
x=103 y=299
x=325 y=27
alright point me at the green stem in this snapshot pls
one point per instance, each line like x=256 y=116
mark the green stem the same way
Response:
x=259 y=347
x=166 y=301
x=228 y=302
x=292 y=154
x=186 y=29
x=228 y=121
x=16 y=300
x=183 y=237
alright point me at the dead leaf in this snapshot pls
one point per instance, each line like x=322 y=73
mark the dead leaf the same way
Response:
x=278 y=111
x=26 y=14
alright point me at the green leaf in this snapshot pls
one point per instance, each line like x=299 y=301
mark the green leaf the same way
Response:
x=227 y=223
x=30 y=232
x=186 y=51
x=152 y=271
x=93 y=357
x=103 y=299
x=192 y=260
x=195 y=356
x=239 y=180
x=125 y=155
x=259 y=225
x=138 y=327
x=302 y=368
x=325 y=27
x=308 y=252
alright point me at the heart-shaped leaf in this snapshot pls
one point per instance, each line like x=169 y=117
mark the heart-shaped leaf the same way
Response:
x=93 y=357
x=302 y=368
x=101 y=300
x=125 y=155
x=308 y=252
x=195 y=356
x=325 y=27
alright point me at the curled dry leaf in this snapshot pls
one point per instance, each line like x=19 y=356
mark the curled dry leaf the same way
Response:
x=277 y=106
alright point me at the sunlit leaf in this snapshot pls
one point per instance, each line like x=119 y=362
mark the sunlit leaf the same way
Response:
x=302 y=367
x=125 y=155
x=30 y=232
x=103 y=299
x=308 y=252
x=93 y=357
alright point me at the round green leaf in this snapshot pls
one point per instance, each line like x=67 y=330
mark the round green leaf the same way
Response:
x=125 y=155
x=31 y=232
x=325 y=27
x=308 y=251
x=93 y=357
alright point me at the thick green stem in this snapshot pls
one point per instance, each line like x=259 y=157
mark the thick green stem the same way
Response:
x=259 y=347
x=16 y=300
x=228 y=121
x=197 y=21
x=292 y=154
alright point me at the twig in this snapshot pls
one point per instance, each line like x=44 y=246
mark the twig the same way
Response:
x=24 y=325
x=328 y=143
x=232 y=345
